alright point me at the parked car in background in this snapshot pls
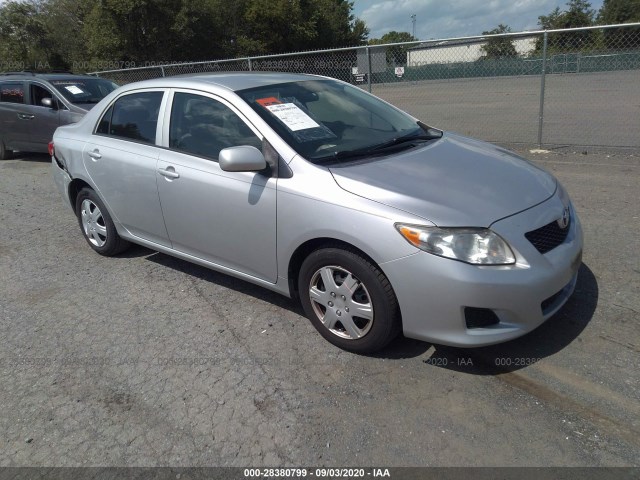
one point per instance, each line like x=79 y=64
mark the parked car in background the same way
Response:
x=315 y=189
x=33 y=105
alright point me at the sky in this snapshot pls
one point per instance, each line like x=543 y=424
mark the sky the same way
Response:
x=436 y=19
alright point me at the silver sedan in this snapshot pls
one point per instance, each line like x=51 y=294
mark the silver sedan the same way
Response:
x=313 y=188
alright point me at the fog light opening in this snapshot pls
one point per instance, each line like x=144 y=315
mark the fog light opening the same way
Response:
x=480 y=317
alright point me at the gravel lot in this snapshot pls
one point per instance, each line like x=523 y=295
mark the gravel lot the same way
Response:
x=580 y=109
x=146 y=360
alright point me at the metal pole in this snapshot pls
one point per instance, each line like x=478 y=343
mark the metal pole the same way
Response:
x=162 y=70
x=250 y=66
x=369 y=68
x=542 y=86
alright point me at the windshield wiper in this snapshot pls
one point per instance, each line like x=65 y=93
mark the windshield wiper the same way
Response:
x=409 y=138
x=405 y=140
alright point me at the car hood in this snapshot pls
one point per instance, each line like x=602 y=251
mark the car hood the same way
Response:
x=84 y=108
x=453 y=182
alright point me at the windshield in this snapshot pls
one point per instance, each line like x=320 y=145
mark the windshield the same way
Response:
x=83 y=90
x=325 y=120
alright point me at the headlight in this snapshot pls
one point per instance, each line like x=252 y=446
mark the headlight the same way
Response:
x=479 y=246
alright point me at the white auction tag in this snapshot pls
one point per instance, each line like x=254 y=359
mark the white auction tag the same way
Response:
x=291 y=115
x=75 y=90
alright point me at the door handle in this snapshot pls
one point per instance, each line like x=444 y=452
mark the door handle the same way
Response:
x=25 y=116
x=95 y=154
x=169 y=172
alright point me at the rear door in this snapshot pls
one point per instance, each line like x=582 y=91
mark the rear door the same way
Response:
x=121 y=160
x=14 y=117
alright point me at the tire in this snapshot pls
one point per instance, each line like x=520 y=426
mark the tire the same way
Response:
x=335 y=285
x=4 y=153
x=96 y=225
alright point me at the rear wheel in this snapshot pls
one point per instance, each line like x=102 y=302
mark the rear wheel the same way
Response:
x=348 y=300
x=97 y=227
x=4 y=153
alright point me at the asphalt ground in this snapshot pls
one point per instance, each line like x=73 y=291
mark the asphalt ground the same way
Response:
x=593 y=109
x=147 y=360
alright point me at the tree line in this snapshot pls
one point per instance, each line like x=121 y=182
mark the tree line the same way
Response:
x=578 y=13
x=67 y=34
x=83 y=35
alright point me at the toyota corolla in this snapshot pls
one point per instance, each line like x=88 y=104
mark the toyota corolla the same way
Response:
x=313 y=188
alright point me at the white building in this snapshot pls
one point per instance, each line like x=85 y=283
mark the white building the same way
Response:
x=456 y=51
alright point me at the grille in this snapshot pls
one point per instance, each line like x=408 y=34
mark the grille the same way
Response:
x=548 y=237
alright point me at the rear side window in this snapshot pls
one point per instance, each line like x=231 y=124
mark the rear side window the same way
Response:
x=105 y=123
x=133 y=117
x=12 y=92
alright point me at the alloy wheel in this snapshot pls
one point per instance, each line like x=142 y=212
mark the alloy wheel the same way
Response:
x=341 y=302
x=93 y=223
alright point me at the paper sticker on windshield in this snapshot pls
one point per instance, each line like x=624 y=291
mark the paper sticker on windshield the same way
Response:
x=294 y=118
x=74 y=89
x=265 y=102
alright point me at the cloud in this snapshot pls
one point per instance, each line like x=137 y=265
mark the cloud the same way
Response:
x=441 y=19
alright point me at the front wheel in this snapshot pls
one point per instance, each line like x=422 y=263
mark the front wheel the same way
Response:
x=348 y=300
x=96 y=224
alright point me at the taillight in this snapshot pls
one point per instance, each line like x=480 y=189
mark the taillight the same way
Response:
x=52 y=150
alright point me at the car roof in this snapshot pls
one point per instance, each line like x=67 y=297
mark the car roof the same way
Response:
x=43 y=76
x=230 y=80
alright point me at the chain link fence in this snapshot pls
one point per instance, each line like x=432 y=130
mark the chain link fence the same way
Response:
x=573 y=87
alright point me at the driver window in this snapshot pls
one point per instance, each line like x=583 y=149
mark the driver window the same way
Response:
x=38 y=93
x=203 y=126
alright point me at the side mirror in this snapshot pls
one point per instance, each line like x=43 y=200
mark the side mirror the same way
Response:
x=49 y=103
x=241 y=159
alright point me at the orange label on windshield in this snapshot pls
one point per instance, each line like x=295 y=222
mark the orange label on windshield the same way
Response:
x=265 y=102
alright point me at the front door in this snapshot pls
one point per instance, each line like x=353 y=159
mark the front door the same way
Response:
x=227 y=218
x=45 y=119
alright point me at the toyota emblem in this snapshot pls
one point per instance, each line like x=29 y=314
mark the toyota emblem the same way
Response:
x=563 y=222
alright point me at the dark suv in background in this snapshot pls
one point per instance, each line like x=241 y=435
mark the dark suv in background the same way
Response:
x=33 y=105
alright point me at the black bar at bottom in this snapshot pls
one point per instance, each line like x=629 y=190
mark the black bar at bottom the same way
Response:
x=233 y=473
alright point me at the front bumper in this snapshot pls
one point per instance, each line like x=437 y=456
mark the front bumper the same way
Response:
x=433 y=291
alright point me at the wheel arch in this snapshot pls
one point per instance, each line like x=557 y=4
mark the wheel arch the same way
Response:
x=75 y=186
x=5 y=152
x=310 y=246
